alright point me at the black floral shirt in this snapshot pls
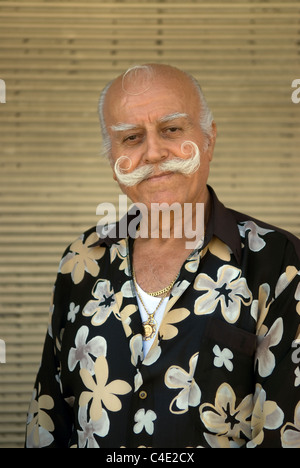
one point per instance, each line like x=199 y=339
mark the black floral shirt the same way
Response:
x=224 y=370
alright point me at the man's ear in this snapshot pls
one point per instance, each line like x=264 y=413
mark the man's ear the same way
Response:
x=212 y=140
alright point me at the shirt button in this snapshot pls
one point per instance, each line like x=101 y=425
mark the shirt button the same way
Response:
x=143 y=395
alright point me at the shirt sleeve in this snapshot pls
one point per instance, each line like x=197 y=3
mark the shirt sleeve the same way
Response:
x=276 y=415
x=49 y=421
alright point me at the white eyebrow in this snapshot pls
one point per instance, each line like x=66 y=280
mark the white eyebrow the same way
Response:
x=123 y=127
x=176 y=115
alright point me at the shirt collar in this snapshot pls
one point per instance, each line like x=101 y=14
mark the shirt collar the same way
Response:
x=221 y=224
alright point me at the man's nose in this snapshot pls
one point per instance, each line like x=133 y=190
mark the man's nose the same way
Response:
x=155 y=150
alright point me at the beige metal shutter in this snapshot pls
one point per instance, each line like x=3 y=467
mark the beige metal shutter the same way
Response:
x=54 y=58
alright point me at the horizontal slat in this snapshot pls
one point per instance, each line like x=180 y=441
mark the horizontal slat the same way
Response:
x=53 y=53
x=145 y=26
x=131 y=13
x=143 y=5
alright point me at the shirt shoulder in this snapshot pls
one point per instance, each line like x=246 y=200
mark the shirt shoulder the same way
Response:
x=82 y=256
x=259 y=229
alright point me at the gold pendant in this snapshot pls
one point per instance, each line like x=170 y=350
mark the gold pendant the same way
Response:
x=149 y=329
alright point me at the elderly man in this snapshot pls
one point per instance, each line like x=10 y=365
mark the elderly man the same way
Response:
x=154 y=342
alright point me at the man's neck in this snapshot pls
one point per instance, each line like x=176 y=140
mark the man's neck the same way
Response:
x=175 y=224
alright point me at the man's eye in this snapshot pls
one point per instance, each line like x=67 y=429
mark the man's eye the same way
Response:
x=132 y=138
x=172 y=130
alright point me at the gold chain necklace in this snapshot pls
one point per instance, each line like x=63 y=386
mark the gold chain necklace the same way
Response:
x=150 y=325
x=164 y=290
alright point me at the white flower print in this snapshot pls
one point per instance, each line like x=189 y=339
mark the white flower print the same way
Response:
x=230 y=290
x=138 y=380
x=127 y=290
x=265 y=415
x=105 y=303
x=297 y=297
x=39 y=423
x=97 y=346
x=144 y=420
x=136 y=348
x=120 y=250
x=223 y=358
x=265 y=357
x=285 y=279
x=217 y=442
x=72 y=312
x=297 y=379
x=290 y=433
x=179 y=288
x=260 y=307
x=51 y=310
x=256 y=243
x=152 y=356
x=297 y=293
x=86 y=437
x=178 y=378
x=229 y=416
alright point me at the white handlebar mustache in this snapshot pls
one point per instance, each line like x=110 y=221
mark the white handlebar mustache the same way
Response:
x=177 y=165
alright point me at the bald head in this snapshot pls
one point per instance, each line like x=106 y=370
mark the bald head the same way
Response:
x=143 y=80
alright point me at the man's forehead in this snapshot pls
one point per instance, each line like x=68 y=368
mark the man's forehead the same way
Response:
x=139 y=91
